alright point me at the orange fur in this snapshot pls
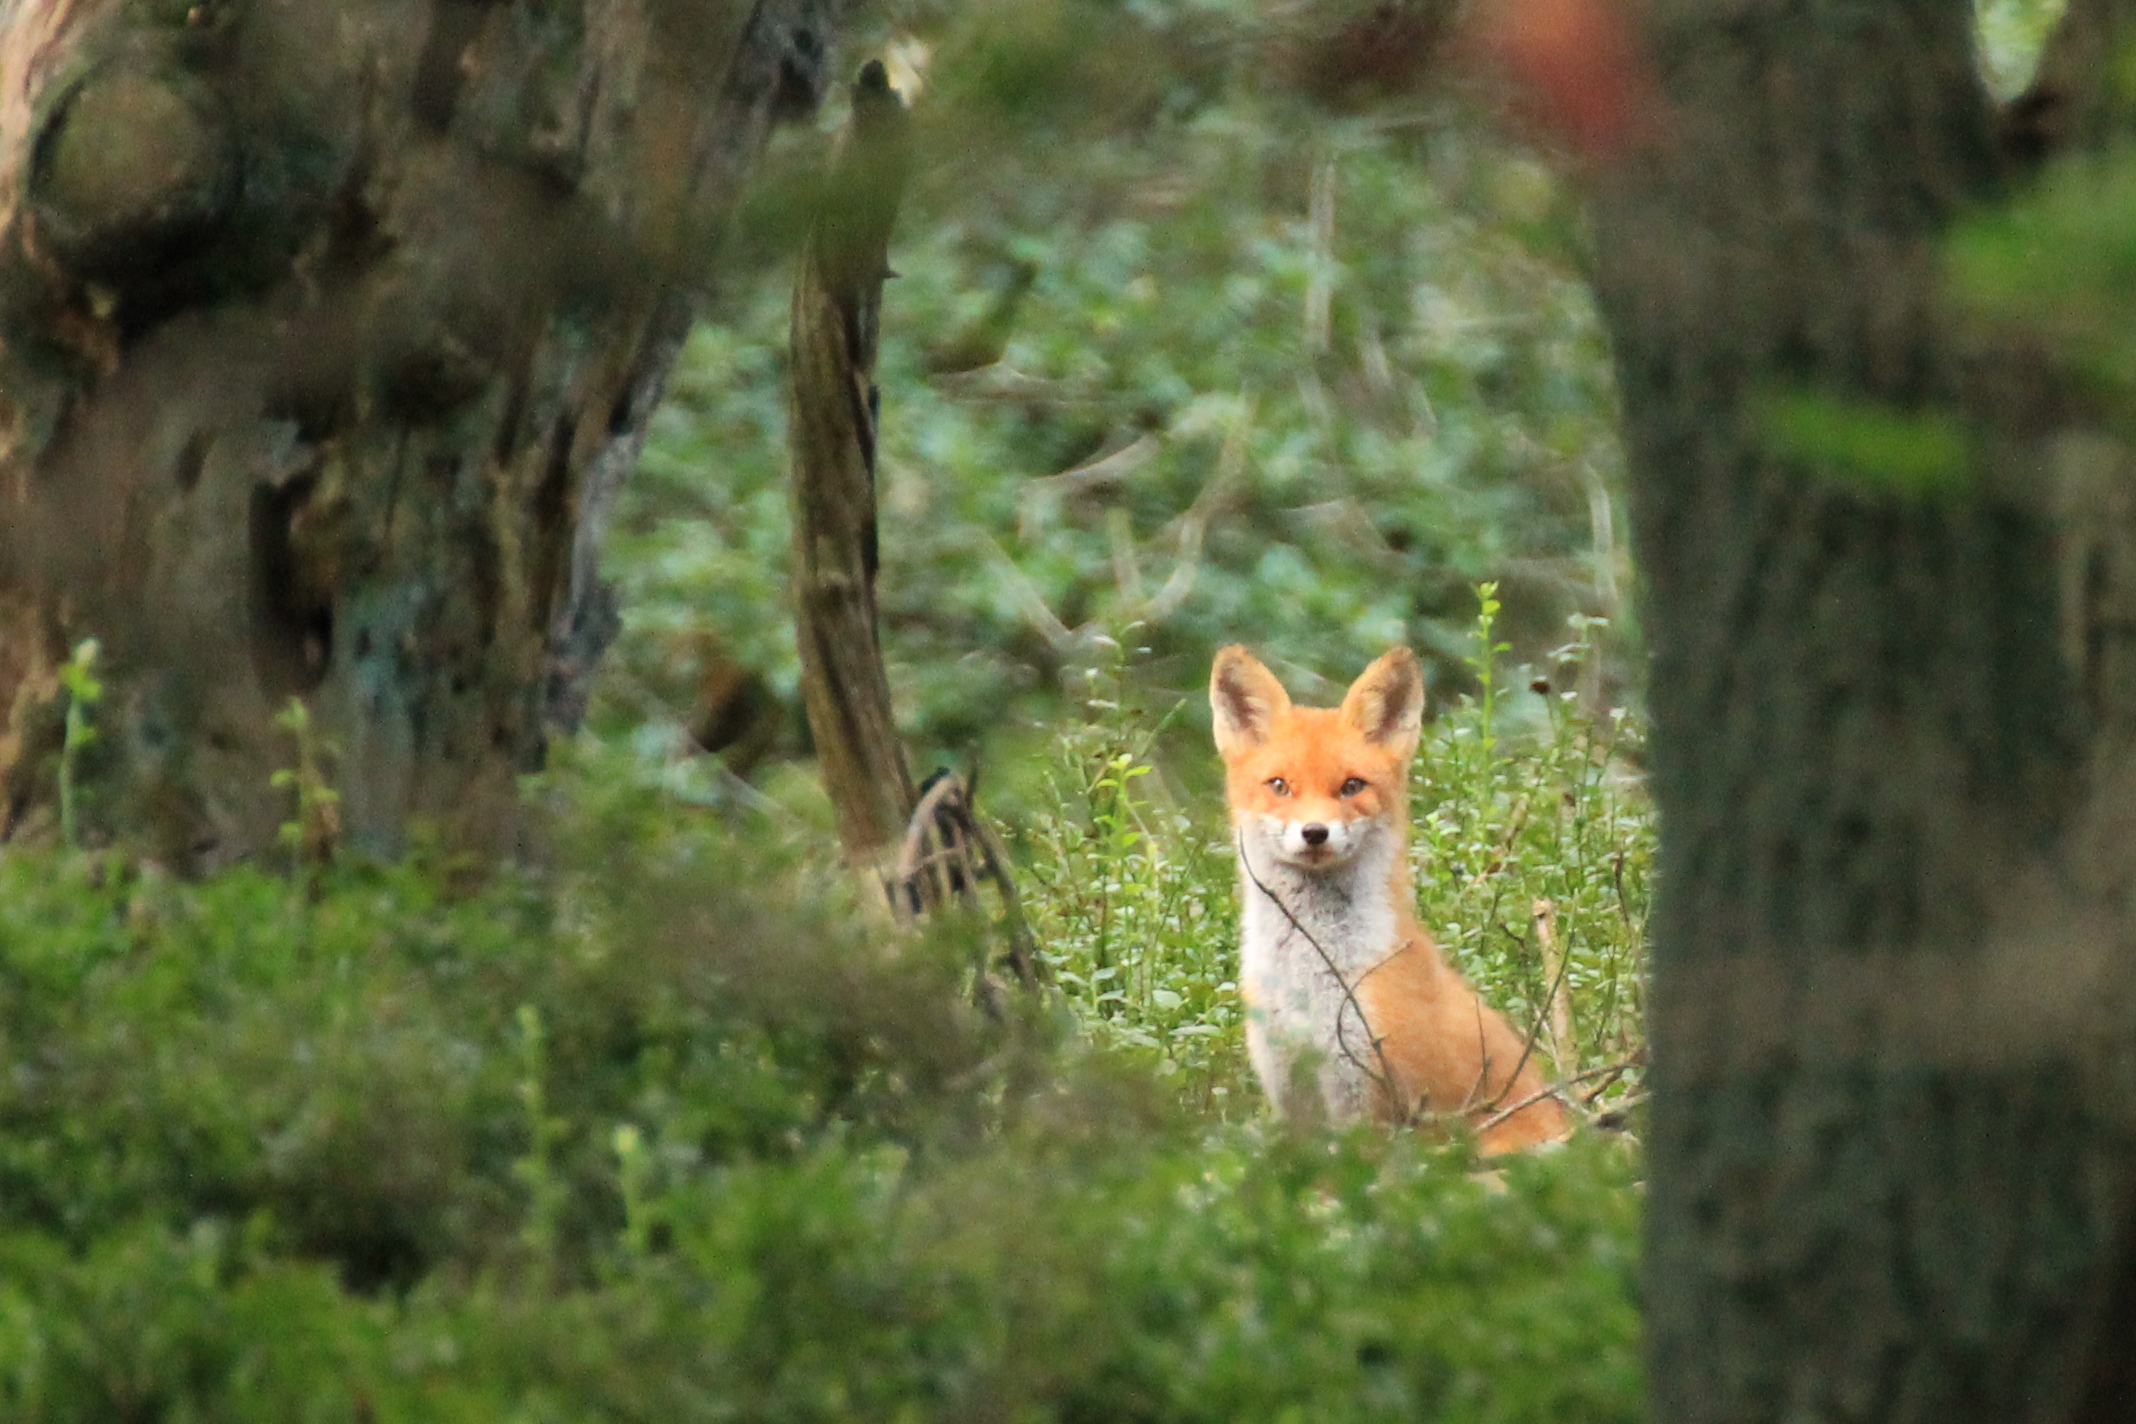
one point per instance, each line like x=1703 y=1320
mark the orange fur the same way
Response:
x=1344 y=941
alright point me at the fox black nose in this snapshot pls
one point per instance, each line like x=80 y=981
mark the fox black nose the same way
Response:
x=1315 y=834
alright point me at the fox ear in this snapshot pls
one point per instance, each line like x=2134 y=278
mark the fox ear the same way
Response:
x=1386 y=703
x=1245 y=697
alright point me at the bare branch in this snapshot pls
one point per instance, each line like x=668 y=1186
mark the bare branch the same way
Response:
x=1563 y=1049
x=1610 y=1071
x=1527 y=1049
x=1385 y=1077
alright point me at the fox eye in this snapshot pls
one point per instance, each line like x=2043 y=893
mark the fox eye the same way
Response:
x=1353 y=786
x=1278 y=785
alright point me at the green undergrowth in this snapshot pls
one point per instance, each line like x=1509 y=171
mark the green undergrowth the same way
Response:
x=1200 y=355
x=1133 y=897
x=673 y=1133
x=1533 y=840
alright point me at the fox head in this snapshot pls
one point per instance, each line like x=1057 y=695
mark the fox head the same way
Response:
x=1315 y=786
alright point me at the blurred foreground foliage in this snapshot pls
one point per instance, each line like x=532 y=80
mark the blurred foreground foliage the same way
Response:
x=666 y=1137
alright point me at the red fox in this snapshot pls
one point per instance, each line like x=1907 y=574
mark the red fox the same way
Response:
x=1338 y=976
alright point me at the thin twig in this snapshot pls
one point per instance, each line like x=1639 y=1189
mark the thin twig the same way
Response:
x=1474 y=1099
x=1609 y=1080
x=1209 y=502
x=1514 y=827
x=1548 y=1090
x=1633 y=930
x=1385 y=1077
x=1527 y=1050
x=1555 y=1090
x=1562 y=1044
x=1612 y=1072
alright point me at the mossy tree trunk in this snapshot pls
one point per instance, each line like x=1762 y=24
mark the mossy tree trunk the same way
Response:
x=1888 y=1160
x=328 y=331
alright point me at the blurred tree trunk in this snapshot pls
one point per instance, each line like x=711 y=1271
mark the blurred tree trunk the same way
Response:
x=1890 y=948
x=328 y=332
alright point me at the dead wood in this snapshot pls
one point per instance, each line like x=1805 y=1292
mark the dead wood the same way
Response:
x=832 y=411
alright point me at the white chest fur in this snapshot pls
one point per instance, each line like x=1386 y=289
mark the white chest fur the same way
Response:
x=1309 y=937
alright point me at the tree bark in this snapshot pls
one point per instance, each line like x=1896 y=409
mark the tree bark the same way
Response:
x=1883 y=1168
x=328 y=332
x=831 y=430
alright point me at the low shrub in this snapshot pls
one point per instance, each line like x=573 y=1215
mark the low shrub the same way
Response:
x=662 y=1136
